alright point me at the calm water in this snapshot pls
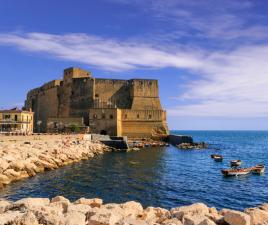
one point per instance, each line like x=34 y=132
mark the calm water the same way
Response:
x=165 y=177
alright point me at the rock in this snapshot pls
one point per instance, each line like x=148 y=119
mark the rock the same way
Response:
x=132 y=221
x=236 y=218
x=173 y=221
x=257 y=216
x=155 y=215
x=264 y=207
x=17 y=165
x=9 y=217
x=26 y=219
x=108 y=214
x=132 y=208
x=79 y=208
x=3 y=165
x=60 y=199
x=194 y=209
x=3 y=205
x=94 y=202
x=32 y=202
x=196 y=220
x=4 y=179
x=75 y=218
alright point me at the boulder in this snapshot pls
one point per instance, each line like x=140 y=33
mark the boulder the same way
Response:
x=94 y=202
x=257 y=216
x=194 y=209
x=155 y=215
x=3 y=205
x=132 y=221
x=173 y=221
x=32 y=202
x=75 y=218
x=9 y=217
x=60 y=199
x=3 y=165
x=264 y=207
x=236 y=218
x=109 y=214
x=79 y=208
x=17 y=165
x=197 y=220
x=4 y=179
x=132 y=208
x=26 y=219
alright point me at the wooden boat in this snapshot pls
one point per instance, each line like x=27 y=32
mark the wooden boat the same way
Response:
x=217 y=158
x=215 y=155
x=258 y=169
x=236 y=172
x=236 y=162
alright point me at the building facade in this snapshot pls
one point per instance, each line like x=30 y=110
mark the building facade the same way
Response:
x=108 y=106
x=16 y=121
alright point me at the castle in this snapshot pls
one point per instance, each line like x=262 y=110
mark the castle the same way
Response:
x=108 y=106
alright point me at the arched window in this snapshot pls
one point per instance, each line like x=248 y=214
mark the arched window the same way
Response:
x=150 y=116
x=138 y=116
x=125 y=116
x=111 y=116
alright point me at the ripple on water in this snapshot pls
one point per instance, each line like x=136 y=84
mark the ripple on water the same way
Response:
x=165 y=177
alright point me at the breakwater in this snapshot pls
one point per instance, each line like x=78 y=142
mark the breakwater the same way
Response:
x=25 y=156
x=60 y=210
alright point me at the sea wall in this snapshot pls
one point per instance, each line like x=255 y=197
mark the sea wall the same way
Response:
x=179 y=139
x=61 y=211
x=25 y=156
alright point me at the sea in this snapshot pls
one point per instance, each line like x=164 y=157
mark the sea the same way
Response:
x=162 y=176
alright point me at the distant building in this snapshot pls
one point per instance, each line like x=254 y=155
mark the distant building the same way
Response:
x=16 y=121
x=108 y=106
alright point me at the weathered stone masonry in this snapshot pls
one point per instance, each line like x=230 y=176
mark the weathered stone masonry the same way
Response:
x=116 y=107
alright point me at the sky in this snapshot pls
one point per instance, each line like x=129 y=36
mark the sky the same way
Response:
x=210 y=56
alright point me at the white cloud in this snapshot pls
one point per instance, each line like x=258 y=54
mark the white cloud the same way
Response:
x=234 y=84
x=106 y=54
x=229 y=83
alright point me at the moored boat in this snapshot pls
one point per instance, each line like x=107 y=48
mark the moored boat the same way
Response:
x=236 y=172
x=258 y=169
x=236 y=162
x=217 y=158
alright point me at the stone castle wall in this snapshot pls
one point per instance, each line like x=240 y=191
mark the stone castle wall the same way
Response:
x=102 y=103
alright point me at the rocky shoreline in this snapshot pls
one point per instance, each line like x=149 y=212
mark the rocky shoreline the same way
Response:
x=22 y=157
x=60 y=211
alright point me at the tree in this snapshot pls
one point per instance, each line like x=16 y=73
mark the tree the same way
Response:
x=75 y=128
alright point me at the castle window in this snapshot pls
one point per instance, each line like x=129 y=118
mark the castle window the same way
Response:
x=95 y=116
x=111 y=116
x=96 y=95
x=138 y=116
x=150 y=116
x=125 y=116
x=103 y=116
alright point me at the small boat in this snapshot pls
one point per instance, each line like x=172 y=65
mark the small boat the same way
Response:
x=236 y=172
x=258 y=169
x=217 y=158
x=236 y=162
x=215 y=155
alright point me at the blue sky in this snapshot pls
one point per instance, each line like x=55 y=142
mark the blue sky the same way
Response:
x=209 y=56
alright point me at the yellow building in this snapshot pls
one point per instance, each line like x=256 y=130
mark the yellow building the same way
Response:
x=16 y=121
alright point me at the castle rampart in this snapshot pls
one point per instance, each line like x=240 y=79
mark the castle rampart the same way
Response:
x=116 y=107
